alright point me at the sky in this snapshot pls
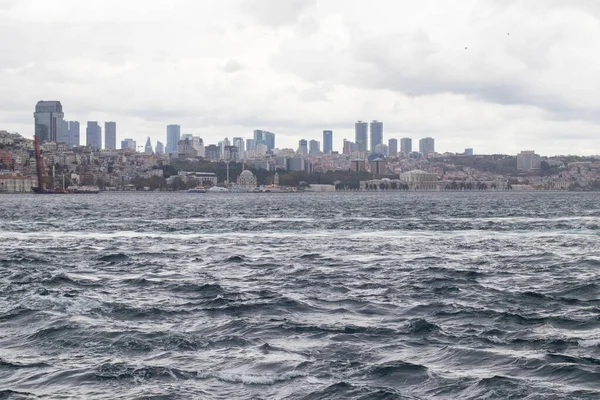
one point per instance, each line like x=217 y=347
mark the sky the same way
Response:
x=499 y=76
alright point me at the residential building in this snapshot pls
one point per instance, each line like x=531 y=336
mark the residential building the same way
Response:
x=327 y=142
x=358 y=165
x=468 y=152
x=381 y=149
x=349 y=147
x=173 y=136
x=49 y=122
x=393 y=147
x=378 y=167
x=93 y=135
x=302 y=147
x=250 y=145
x=426 y=146
x=406 y=145
x=314 y=147
x=376 y=134
x=360 y=135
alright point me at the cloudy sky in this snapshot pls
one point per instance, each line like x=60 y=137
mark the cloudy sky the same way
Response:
x=496 y=75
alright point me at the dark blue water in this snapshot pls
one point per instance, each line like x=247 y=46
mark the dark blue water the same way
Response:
x=300 y=296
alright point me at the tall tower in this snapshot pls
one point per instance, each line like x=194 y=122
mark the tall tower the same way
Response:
x=426 y=146
x=49 y=122
x=406 y=145
x=327 y=142
x=173 y=136
x=303 y=147
x=393 y=147
x=360 y=135
x=148 y=147
x=93 y=135
x=110 y=135
x=376 y=134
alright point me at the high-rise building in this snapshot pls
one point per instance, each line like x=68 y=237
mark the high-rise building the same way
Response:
x=265 y=137
x=212 y=152
x=527 y=161
x=173 y=136
x=426 y=146
x=93 y=135
x=381 y=149
x=468 y=152
x=49 y=122
x=160 y=148
x=129 y=144
x=378 y=167
x=360 y=135
x=314 y=147
x=250 y=145
x=74 y=132
x=110 y=135
x=349 y=147
x=148 y=147
x=270 y=138
x=393 y=147
x=302 y=147
x=239 y=143
x=376 y=134
x=327 y=142
x=406 y=145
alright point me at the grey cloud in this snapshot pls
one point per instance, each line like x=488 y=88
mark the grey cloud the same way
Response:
x=231 y=66
x=276 y=13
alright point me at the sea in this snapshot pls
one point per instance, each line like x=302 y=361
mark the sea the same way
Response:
x=432 y=295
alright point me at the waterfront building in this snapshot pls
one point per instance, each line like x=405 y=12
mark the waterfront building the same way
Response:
x=426 y=146
x=360 y=135
x=173 y=137
x=49 y=122
x=110 y=135
x=314 y=147
x=406 y=146
x=393 y=147
x=327 y=142
x=358 y=165
x=418 y=176
x=376 y=128
x=93 y=135
x=378 y=167
x=246 y=180
x=15 y=184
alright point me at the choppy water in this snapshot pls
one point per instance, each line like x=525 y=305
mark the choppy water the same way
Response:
x=300 y=296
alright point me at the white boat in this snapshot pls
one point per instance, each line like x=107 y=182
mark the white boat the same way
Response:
x=197 y=189
x=217 y=189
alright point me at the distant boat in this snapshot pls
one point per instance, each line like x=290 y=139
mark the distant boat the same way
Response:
x=217 y=189
x=83 y=189
x=197 y=189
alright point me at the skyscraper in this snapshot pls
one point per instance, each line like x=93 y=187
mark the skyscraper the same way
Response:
x=93 y=135
x=250 y=145
x=160 y=148
x=129 y=144
x=302 y=147
x=406 y=145
x=239 y=143
x=110 y=135
x=393 y=147
x=173 y=136
x=270 y=139
x=148 y=147
x=376 y=134
x=74 y=132
x=426 y=146
x=49 y=123
x=360 y=135
x=327 y=142
x=314 y=147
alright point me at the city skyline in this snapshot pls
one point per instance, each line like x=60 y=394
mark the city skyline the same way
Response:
x=494 y=69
